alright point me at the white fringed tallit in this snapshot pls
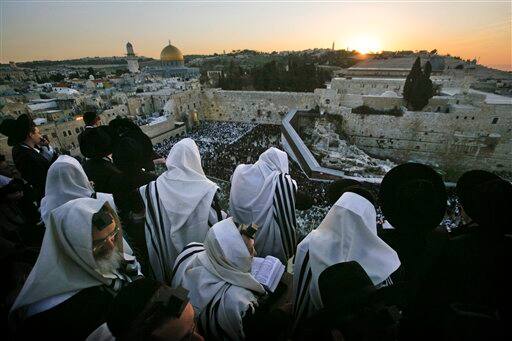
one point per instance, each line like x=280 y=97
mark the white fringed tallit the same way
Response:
x=264 y=194
x=347 y=233
x=218 y=277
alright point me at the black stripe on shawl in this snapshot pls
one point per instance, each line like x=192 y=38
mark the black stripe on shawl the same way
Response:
x=301 y=306
x=218 y=328
x=181 y=260
x=216 y=206
x=191 y=245
x=288 y=186
x=160 y=219
x=154 y=242
x=278 y=212
x=284 y=212
x=305 y=263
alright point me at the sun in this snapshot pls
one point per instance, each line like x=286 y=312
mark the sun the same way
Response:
x=365 y=44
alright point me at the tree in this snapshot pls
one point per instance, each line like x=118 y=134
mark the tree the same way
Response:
x=418 y=88
x=427 y=69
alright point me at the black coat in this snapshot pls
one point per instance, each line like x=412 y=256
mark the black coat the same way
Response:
x=33 y=167
x=73 y=319
x=106 y=176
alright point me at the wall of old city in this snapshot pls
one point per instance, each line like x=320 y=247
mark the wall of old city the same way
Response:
x=252 y=106
x=465 y=138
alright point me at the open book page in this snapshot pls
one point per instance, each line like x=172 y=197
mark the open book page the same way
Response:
x=267 y=271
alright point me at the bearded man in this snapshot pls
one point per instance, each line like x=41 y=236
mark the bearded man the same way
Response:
x=83 y=262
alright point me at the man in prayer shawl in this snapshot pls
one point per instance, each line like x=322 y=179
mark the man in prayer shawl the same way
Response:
x=263 y=196
x=347 y=233
x=66 y=180
x=83 y=262
x=218 y=277
x=180 y=205
x=354 y=309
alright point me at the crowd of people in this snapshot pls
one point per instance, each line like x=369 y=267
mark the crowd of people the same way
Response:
x=109 y=249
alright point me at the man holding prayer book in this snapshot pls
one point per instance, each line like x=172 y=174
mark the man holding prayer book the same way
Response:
x=223 y=287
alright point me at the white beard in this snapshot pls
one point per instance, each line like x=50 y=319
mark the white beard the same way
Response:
x=109 y=264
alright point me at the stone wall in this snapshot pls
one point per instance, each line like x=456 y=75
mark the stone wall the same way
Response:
x=252 y=106
x=456 y=141
x=367 y=86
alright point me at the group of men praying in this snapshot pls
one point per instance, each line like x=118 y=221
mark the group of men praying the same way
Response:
x=128 y=255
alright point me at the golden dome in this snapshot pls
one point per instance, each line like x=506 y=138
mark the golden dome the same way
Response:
x=171 y=53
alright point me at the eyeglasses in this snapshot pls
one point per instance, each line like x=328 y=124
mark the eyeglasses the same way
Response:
x=100 y=243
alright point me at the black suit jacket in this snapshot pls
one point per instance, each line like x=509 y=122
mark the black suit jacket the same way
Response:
x=33 y=167
x=106 y=176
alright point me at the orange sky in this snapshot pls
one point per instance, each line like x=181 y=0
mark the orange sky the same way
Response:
x=34 y=30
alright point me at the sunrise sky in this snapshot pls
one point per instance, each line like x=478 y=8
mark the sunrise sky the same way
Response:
x=35 y=30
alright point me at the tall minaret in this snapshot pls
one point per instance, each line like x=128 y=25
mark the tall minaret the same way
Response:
x=133 y=64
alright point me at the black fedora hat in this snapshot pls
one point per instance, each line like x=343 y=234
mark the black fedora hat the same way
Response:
x=345 y=287
x=485 y=197
x=16 y=129
x=96 y=142
x=413 y=197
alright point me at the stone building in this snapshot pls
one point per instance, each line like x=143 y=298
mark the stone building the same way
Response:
x=172 y=64
x=131 y=59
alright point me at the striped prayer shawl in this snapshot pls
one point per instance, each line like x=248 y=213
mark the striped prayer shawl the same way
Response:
x=188 y=251
x=302 y=299
x=284 y=213
x=209 y=317
x=158 y=249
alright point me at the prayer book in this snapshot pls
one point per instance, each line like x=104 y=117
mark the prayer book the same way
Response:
x=267 y=271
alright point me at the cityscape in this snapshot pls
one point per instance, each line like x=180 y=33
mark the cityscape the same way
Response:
x=323 y=102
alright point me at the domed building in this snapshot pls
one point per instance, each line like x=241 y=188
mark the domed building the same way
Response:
x=172 y=64
x=172 y=56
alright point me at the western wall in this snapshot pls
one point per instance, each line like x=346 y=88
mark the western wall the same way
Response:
x=457 y=132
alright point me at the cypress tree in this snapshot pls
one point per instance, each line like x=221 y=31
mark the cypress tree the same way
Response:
x=418 y=88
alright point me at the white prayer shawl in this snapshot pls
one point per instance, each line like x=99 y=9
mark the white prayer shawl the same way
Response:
x=218 y=277
x=264 y=194
x=66 y=180
x=66 y=262
x=178 y=205
x=347 y=233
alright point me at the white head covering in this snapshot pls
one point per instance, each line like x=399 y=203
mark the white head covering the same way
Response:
x=252 y=200
x=218 y=277
x=347 y=233
x=66 y=180
x=177 y=207
x=66 y=262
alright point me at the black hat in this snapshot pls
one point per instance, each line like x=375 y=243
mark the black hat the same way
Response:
x=344 y=287
x=128 y=154
x=95 y=142
x=337 y=188
x=16 y=130
x=129 y=303
x=485 y=198
x=89 y=117
x=413 y=197
x=141 y=305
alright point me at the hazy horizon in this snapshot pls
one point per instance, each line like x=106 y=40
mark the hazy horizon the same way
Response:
x=59 y=30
